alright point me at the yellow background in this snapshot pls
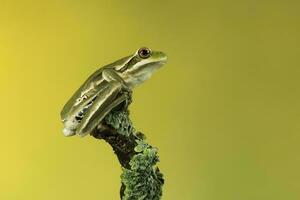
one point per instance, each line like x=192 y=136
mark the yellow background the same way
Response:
x=224 y=112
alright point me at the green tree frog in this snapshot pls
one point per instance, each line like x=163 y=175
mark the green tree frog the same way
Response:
x=107 y=88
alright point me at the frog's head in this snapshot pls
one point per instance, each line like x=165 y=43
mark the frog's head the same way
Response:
x=142 y=65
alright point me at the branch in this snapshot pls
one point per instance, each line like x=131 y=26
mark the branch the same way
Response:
x=141 y=179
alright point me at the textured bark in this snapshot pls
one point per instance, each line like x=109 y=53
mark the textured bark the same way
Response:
x=140 y=178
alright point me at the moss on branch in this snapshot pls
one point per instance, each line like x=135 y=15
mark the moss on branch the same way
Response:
x=141 y=179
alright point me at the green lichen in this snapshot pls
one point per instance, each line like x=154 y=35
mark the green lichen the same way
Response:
x=141 y=179
x=120 y=121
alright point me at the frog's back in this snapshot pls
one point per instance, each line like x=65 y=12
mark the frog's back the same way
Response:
x=96 y=77
x=78 y=94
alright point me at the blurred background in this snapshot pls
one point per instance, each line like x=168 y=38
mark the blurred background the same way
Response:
x=224 y=112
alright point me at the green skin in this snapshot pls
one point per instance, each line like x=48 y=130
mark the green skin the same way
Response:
x=108 y=87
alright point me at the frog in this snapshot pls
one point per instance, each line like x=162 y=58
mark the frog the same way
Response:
x=107 y=88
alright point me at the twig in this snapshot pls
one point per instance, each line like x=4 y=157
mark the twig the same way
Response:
x=141 y=179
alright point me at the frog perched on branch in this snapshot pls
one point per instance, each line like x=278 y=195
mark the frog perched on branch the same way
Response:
x=100 y=107
x=107 y=88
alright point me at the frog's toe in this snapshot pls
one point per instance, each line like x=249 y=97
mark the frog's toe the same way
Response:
x=67 y=132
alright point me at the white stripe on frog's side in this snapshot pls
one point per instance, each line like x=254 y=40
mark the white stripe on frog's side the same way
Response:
x=80 y=99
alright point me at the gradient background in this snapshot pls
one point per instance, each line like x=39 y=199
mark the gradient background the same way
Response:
x=224 y=112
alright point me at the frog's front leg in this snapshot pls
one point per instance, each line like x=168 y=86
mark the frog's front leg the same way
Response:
x=111 y=75
x=110 y=97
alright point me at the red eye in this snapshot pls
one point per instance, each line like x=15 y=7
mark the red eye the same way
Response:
x=144 y=52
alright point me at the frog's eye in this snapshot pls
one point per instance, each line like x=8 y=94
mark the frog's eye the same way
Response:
x=144 y=52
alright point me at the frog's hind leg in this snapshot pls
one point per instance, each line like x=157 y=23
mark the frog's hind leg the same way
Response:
x=109 y=98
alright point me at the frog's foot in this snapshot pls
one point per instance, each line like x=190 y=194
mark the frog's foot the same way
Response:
x=68 y=132
x=127 y=100
x=70 y=127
